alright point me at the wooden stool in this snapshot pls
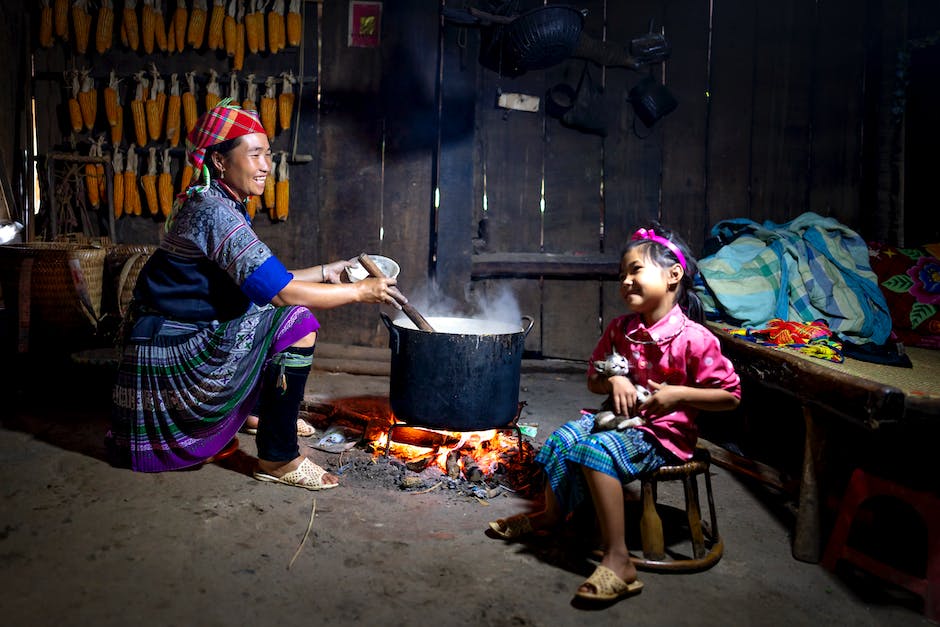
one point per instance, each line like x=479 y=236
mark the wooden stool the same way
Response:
x=863 y=486
x=707 y=546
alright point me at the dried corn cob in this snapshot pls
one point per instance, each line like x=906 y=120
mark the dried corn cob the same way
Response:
x=129 y=26
x=180 y=19
x=285 y=101
x=238 y=62
x=233 y=88
x=46 y=38
x=197 y=24
x=295 y=25
x=250 y=103
x=269 y=108
x=268 y=195
x=212 y=90
x=61 y=15
x=147 y=24
x=186 y=175
x=102 y=182
x=104 y=30
x=111 y=102
x=117 y=163
x=81 y=22
x=88 y=100
x=251 y=206
x=91 y=178
x=165 y=186
x=75 y=109
x=190 y=114
x=282 y=190
x=173 y=112
x=159 y=26
x=277 y=38
x=254 y=26
x=138 y=110
x=117 y=131
x=148 y=182
x=131 y=193
x=229 y=28
x=216 y=37
x=156 y=107
x=171 y=36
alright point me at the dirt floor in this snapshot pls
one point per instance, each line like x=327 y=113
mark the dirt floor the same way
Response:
x=83 y=543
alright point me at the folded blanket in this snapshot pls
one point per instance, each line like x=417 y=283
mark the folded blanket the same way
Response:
x=808 y=269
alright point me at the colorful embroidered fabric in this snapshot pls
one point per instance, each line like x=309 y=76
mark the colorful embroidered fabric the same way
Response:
x=814 y=339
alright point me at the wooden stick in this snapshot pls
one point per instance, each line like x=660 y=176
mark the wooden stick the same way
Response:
x=373 y=269
x=313 y=512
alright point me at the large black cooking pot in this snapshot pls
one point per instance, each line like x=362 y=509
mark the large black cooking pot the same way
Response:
x=464 y=376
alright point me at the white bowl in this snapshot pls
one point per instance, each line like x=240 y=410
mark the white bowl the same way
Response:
x=388 y=266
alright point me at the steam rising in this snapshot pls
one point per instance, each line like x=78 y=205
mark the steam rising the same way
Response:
x=490 y=302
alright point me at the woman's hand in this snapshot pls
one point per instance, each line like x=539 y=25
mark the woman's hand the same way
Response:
x=334 y=271
x=374 y=290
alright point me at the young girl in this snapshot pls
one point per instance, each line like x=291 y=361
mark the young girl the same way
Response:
x=676 y=358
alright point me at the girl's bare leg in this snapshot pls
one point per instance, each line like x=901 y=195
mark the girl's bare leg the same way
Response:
x=607 y=493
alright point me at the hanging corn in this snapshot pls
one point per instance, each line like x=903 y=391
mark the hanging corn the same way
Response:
x=186 y=175
x=165 y=186
x=111 y=99
x=254 y=26
x=81 y=22
x=229 y=28
x=190 y=115
x=285 y=101
x=147 y=24
x=197 y=24
x=155 y=106
x=215 y=40
x=117 y=131
x=170 y=35
x=250 y=103
x=159 y=26
x=148 y=182
x=277 y=38
x=179 y=24
x=46 y=38
x=268 y=195
x=61 y=15
x=138 y=110
x=88 y=100
x=238 y=62
x=131 y=193
x=233 y=88
x=104 y=29
x=91 y=177
x=295 y=25
x=251 y=206
x=99 y=168
x=75 y=109
x=212 y=90
x=129 y=26
x=173 y=112
x=282 y=190
x=117 y=183
x=269 y=107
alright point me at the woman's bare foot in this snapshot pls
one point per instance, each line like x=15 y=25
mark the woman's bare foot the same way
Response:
x=279 y=469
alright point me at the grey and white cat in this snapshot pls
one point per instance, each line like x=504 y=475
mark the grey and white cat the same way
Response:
x=605 y=420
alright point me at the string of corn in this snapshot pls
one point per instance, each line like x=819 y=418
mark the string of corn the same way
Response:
x=268 y=196
x=131 y=194
x=159 y=26
x=165 y=186
x=148 y=182
x=213 y=95
x=285 y=100
x=173 y=112
x=75 y=110
x=111 y=103
x=88 y=100
x=282 y=190
x=61 y=15
x=130 y=32
x=138 y=109
x=215 y=40
x=147 y=23
x=81 y=22
x=104 y=29
x=197 y=24
x=277 y=39
x=155 y=106
x=99 y=168
x=186 y=175
x=254 y=26
x=91 y=178
x=229 y=28
x=190 y=114
x=46 y=37
x=238 y=62
x=251 y=206
x=179 y=24
x=269 y=108
x=117 y=183
x=294 y=24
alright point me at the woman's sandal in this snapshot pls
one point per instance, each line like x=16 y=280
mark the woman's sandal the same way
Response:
x=304 y=429
x=608 y=586
x=513 y=527
x=308 y=475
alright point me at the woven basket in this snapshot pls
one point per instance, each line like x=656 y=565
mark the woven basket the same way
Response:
x=115 y=277
x=128 y=279
x=65 y=285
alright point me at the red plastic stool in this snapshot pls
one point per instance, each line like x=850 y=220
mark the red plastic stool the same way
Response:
x=863 y=486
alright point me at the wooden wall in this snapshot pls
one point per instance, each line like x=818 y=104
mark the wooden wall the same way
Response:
x=783 y=108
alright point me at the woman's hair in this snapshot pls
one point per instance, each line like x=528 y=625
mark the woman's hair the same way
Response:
x=662 y=256
x=222 y=148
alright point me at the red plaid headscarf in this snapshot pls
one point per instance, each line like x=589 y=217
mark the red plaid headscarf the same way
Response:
x=219 y=124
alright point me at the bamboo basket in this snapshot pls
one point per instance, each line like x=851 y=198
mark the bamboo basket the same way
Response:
x=122 y=265
x=128 y=279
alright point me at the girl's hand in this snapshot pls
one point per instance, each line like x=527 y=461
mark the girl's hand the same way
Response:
x=664 y=399
x=622 y=395
x=334 y=271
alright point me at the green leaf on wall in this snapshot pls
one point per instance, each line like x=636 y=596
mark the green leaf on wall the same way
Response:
x=899 y=283
x=913 y=253
x=921 y=312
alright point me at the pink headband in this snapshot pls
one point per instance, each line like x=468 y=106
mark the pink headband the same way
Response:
x=651 y=235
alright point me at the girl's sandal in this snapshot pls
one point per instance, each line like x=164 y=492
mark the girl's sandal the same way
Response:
x=308 y=475
x=607 y=586
x=513 y=527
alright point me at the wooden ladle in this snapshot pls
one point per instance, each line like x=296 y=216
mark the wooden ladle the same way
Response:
x=373 y=269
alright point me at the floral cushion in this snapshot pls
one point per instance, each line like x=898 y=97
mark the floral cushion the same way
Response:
x=910 y=281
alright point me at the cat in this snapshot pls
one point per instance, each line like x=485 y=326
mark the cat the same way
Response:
x=604 y=420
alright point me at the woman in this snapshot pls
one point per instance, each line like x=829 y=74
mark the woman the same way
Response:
x=218 y=323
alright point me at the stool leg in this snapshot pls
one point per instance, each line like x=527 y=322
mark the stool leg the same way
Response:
x=694 y=513
x=712 y=516
x=651 y=526
x=855 y=493
x=932 y=596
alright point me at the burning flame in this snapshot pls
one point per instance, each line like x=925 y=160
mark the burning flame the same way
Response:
x=486 y=449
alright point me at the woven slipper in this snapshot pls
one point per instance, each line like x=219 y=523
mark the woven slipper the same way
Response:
x=608 y=586
x=308 y=475
x=513 y=527
x=304 y=429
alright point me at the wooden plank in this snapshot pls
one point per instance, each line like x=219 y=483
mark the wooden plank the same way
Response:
x=350 y=166
x=686 y=23
x=536 y=265
x=780 y=145
x=632 y=153
x=731 y=89
x=836 y=97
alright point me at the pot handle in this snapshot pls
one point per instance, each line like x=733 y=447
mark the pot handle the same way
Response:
x=392 y=332
x=525 y=332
